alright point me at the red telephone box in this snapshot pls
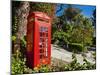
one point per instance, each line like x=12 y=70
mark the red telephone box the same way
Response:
x=38 y=39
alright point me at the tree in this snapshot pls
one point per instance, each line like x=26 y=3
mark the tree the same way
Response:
x=71 y=13
x=20 y=12
x=48 y=8
x=75 y=29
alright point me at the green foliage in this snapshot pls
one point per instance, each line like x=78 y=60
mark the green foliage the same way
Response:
x=23 y=46
x=23 y=41
x=18 y=64
x=13 y=38
x=15 y=19
x=94 y=55
x=88 y=65
x=14 y=24
x=48 y=8
x=74 y=65
x=77 y=33
x=75 y=47
x=19 y=67
x=61 y=36
x=44 y=68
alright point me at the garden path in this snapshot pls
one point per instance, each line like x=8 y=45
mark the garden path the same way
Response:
x=64 y=55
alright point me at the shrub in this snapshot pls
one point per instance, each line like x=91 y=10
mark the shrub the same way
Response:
x=23 y=46
x=60 y=36
x=18 y=64
x=19 y=67
x=74 y=65
x=94 y=55
x=44 y=68
x=75 y=47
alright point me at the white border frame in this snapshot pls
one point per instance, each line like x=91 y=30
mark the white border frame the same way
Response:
x=5 y=36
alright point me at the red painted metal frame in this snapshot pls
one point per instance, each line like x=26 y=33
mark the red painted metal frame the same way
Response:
x=33 y=39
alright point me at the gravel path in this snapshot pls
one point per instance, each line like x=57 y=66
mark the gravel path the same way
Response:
x=62 y=54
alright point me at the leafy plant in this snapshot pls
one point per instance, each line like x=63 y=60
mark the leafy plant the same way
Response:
x=44 y=68
x=18 y=64
x=23 y=46
x=75 y=47
x=74 y=65
x=19 y=67
x=94 y=55
x=13 y=38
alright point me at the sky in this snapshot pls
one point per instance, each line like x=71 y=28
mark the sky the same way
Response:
x=87 y=10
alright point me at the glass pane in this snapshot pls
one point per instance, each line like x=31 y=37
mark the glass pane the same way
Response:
x=41 y=51
x=46 y=54
x=41 y=34
x=40 y=44
x=41 y=56
x=43 y=42
x=46 y=34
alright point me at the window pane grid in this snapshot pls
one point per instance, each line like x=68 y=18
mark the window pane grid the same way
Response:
x=43 y=42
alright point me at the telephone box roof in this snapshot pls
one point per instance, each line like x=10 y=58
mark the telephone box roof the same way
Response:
x=41 y=14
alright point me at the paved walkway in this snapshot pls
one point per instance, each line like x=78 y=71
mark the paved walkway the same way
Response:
x=60 y=53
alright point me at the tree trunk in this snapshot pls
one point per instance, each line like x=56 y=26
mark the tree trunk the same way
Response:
x=22 y=13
